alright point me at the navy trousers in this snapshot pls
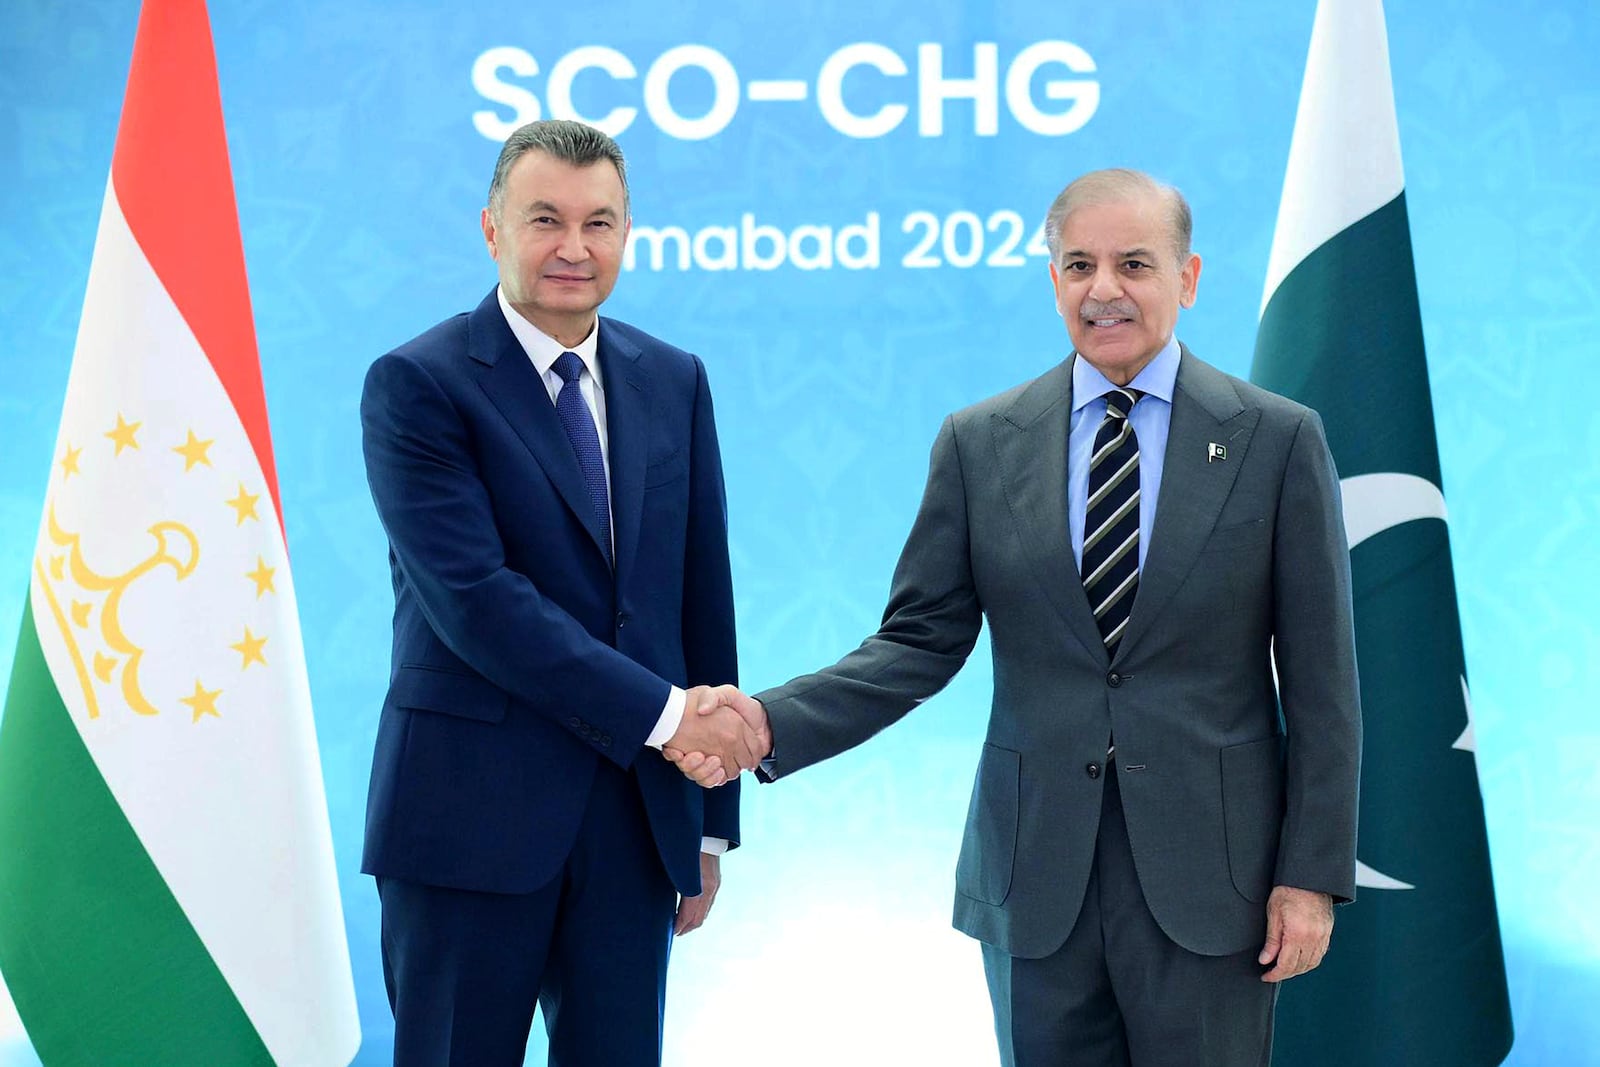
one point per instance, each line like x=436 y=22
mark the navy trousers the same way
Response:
x=465 y=969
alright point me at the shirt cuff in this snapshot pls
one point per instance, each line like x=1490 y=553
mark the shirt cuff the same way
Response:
x=671 y=717
x=714 y=846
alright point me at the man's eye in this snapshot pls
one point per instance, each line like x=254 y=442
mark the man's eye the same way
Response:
x=1078 y=266
x=1136 y=264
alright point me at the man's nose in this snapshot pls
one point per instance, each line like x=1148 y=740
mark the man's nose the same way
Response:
x=1105 y=285
x=572 y=248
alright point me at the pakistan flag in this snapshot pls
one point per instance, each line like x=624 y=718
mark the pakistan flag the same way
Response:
x=1415 y=974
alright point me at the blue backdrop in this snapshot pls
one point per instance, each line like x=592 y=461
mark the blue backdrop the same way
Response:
x=362 y=136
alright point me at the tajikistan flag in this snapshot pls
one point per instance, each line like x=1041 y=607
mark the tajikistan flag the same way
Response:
x=167 y=890
x=1415 y=973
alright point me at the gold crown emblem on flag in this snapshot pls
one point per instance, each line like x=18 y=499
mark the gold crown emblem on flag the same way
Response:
x=176 y=546
x=102 y=610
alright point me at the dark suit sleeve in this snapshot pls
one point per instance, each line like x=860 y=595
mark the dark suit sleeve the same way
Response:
x=928 y=629
x=1314 y=646
x=442 y=531
x=709 y=645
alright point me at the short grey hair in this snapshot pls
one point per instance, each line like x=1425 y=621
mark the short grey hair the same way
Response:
x=570 y=142
x=1115 y=185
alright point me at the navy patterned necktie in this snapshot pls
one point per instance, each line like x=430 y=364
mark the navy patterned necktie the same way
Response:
x=1111 y=520
x=579 y=424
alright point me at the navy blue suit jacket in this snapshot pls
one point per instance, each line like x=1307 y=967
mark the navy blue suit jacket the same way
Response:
x=520 y=658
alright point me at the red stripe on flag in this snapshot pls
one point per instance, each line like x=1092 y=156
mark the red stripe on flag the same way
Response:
x=170 y=171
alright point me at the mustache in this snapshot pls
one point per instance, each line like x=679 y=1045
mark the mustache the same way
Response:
x=1093 y=309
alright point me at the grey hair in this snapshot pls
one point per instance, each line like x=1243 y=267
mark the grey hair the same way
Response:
x=570 y=142
x=1111 y=186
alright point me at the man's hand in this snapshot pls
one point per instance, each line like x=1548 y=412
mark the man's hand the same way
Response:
x=692 y=911
x=1299 y=923
x=706 y=765
x=723 y=730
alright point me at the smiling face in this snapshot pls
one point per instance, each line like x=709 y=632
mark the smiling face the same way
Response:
x=558 y=236
x=1119 y=282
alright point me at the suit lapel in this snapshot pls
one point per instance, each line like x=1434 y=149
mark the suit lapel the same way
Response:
x=627 y=388
x=514 y=387
x=1206 y=410
x=1030 y=441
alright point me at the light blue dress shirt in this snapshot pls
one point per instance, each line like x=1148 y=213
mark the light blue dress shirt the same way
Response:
x=1151 y=418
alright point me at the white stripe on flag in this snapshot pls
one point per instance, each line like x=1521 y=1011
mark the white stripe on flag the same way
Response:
x=1346 y=99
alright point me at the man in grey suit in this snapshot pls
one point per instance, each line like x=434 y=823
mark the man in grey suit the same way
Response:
x=1160 y=825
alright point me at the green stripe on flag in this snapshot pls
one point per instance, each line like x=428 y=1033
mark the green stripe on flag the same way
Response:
x=102 y=963
x=1343 y=334
x=1413 y=976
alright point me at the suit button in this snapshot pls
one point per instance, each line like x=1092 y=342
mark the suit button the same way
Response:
x=1113 y=679
x=605 y=740
x=1092 y=770
x=575 y=722
x=622 y=619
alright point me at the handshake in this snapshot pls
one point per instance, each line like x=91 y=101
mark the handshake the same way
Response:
x=723 y=732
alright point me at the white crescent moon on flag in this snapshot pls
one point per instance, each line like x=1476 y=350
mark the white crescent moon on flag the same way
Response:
x=1375 y=502
x=1367 y=878
x=1372 y=504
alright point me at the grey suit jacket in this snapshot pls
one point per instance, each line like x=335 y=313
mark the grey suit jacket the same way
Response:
x=1224 y=796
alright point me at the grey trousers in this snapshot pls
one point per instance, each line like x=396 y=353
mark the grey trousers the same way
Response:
x=1119 y=992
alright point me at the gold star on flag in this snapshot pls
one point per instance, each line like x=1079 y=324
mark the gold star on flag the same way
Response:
x=123 y=434
x=193 y=451
x=262 y=576
x=69 y=462
x=203 y=702
x=250 y=647
x=245 y=505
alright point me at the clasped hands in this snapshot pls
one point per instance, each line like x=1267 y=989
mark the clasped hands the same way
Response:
x=723 y=733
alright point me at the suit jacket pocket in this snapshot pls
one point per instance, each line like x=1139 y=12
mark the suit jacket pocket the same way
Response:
x=468 y=696
x=666 y=470
x=1252 y=813
x=1237 y=536
x=989 y=847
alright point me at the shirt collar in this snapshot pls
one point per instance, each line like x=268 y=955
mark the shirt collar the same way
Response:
x=543 y=349
x=1158 y=379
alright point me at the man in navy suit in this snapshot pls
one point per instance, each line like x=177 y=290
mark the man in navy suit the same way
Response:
x=552 y=491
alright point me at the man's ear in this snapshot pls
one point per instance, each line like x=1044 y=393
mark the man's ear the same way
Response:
x=1189 y=281
x=486 y=220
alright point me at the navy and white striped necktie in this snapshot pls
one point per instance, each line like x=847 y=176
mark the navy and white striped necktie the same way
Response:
x=1111 y=520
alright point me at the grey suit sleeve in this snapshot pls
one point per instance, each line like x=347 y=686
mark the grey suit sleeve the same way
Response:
x=1314 y=646
x=929 y=627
